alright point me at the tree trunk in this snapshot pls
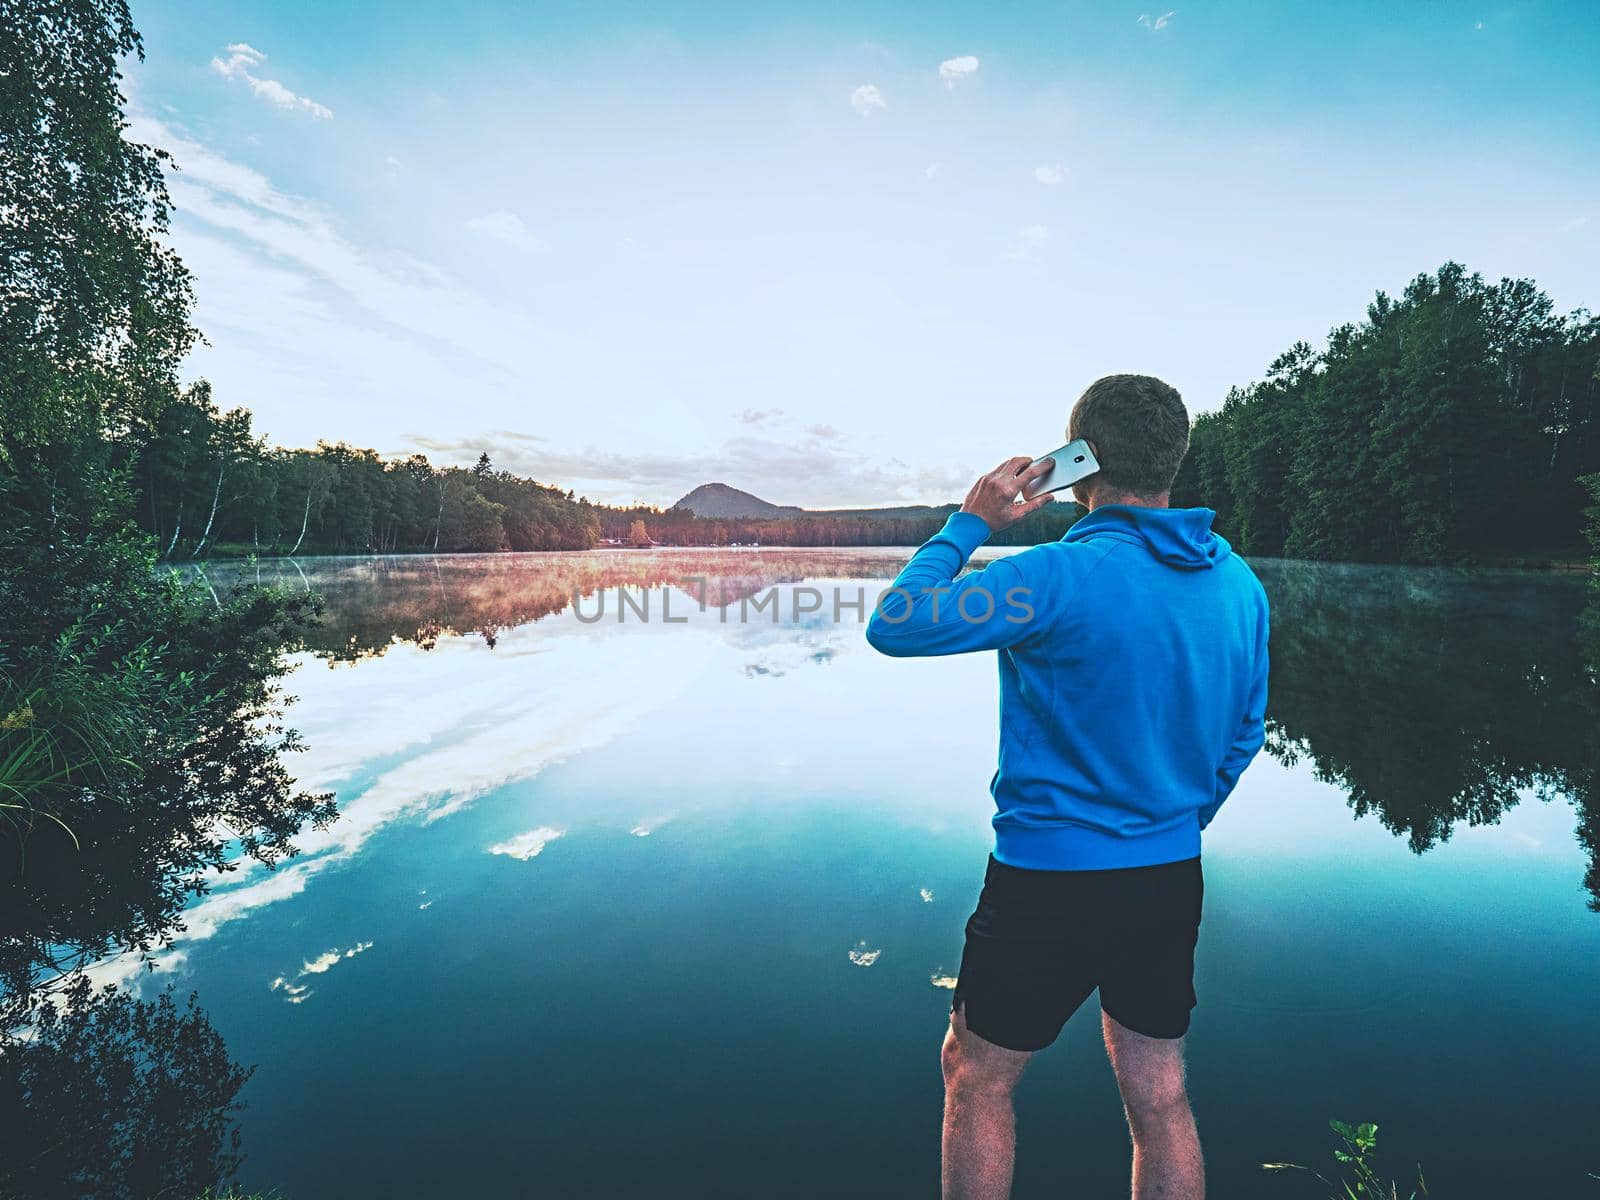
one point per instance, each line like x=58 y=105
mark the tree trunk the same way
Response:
x=304 y=521
x=155 y=522
x=215 y=497
x=176 y=530
x=438 y=521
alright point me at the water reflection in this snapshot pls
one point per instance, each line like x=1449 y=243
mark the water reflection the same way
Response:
x=374 y=603
x=117 y=1098
x=1434 y=698
x=626 y=846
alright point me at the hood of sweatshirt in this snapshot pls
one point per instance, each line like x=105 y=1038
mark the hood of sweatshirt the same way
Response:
x=1178 y=537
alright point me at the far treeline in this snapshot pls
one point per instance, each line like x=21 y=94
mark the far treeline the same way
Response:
x=206 y=484
x=909 y=526
x=1456 y=423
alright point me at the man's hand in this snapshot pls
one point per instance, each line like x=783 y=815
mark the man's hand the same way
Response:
x=994 y=497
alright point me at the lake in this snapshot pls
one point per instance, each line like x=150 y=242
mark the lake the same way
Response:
x=648 y=907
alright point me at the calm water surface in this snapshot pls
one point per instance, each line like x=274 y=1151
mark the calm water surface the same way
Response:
x=638 y=908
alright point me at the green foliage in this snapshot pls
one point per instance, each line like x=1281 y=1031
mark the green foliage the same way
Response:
x=472 y=522
x=139 y=737
x=1358 y=1177
x=117 y=1098
x=153 y=751
x=1451 y=424
x=77 y=722
x=204 y=481
x=1592 y=530
x=94 y=313
x=1203 y=477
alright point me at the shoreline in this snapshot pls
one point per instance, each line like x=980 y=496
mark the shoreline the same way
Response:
x=1563 y=562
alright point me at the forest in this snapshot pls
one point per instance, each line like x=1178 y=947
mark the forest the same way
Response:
x=205 y=484
x=1453 y=424
x=909 y=526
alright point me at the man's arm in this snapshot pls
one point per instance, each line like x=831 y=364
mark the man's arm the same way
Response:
x=926 y=612
x=1251 y=735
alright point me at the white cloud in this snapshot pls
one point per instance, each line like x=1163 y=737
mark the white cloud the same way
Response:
x=295 y=993
x=526 y=845
x=956 y=70
x=323 y=963
x=866 y=98
x=277 y=273
x=319 y=964
x=1029 y=242
x=506 y=227
x=1575 y=224
x=240 y=62
x=1160 y=22
x=760 y=416
x=862 y=957
x=298 y=993
x=933 y=170
x=1050 y=176
x=510 y=734
x=241 y=57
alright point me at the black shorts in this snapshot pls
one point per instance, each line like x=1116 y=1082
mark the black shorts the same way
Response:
x=1041 y=941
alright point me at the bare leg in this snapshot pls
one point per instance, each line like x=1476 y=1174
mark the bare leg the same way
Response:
x=1166 y=1148
x=980 y=1135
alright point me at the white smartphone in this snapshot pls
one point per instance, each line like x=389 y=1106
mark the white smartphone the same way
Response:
x=1074 y=463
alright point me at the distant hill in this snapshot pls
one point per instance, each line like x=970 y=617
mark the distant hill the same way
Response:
x=720 y=500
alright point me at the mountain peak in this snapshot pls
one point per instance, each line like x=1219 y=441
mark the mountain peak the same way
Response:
x=720 y=500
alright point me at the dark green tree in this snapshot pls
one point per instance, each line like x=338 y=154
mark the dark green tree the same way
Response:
x=138 y=718
x=471 y=522
x=1260 y=423
x=1450 y=425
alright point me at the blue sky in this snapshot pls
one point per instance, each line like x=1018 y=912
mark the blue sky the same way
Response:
x=833 y=254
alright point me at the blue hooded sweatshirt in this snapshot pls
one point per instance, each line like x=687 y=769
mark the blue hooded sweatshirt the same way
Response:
x=1133 y=677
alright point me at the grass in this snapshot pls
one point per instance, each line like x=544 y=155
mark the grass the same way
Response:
x=1359 y=1178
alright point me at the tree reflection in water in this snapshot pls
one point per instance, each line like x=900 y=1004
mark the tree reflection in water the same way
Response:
x=117 y=1098
x=1437 y=697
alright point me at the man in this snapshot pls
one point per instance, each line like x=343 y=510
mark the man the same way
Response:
x=1133 y=688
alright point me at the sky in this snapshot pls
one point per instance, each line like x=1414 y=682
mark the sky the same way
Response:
x=831 y=254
